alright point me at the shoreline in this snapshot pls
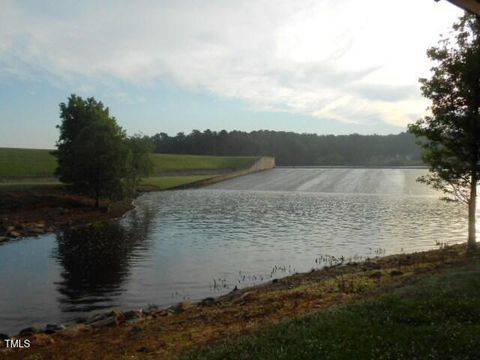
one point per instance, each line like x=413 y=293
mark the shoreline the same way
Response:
x=187 y=325
x=38 y=211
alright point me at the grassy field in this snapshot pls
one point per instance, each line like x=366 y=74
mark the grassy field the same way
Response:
x=28 y=185
x=41 y=163
x=26 y=163
x=437 y=317
x=172 y=162
x=20 y=167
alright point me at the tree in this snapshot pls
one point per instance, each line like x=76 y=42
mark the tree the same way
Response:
x=92 y=150
x=76 y=115
x=139 y=162
x=100 y=167
x=450 y=136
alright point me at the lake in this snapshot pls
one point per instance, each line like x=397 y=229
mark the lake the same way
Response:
x=190 y=244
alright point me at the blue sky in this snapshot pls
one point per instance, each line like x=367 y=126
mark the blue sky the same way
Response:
x=170 y=66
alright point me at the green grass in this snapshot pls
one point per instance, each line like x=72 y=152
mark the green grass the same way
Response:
x=40 y=163
x=168 y=182
x=437 y=317
x=172 y=162
x=28 y=185
x=26 y=163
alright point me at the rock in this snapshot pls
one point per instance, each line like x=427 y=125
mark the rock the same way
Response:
x=181 y=307
x=109 y=321
x=75 y=330
x=53 y=328
x=209 y=301
x=95 y=318
x=38 y=231
x=133 y=314
x=274 y=281
x=14 y=234
x=113 y=318
x=376 y=275
x=41 y=340
x=396 y=273
x=2 y=338
x=10 y=228
x=163 y=313
x=28 y=331
x=151 y=309
x=3 y=238
x=119 y=316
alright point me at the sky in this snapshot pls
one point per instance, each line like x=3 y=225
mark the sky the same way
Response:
x=324 y=66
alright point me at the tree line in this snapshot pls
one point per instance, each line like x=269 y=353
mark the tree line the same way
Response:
x=293 y=149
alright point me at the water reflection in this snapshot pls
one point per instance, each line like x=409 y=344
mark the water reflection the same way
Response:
x=96 y=261
x=198 y=243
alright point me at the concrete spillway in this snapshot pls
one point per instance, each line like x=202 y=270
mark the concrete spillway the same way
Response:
x=398 y=181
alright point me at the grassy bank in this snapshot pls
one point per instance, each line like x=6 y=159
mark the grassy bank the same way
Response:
x=172 y=162
x=423 y=305
x=31 y=163
x=170 y=182
x=15 y=163
x=437 y=317
x=27 y=169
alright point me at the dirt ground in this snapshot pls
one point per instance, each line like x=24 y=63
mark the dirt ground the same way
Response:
x=38 y=211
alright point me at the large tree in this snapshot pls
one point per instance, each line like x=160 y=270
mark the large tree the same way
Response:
x=450 y=135
x=101 y=154
x=94 y=153
x=76 y=114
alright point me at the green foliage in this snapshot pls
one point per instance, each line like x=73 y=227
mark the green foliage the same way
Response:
x=26 y=163
x=139 y=162
x=77 y=114
x=296 y=149
x=93 y=153
x=450 y=137
x=435 y=318
x=100 y=152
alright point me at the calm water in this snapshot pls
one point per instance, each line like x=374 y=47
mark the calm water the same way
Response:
x=197 y=243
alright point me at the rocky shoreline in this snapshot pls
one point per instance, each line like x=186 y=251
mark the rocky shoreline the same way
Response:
x=163 y=332
x=42 y=335
x=35 y=213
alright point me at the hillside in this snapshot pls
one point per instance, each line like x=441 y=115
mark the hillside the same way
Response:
x=27 y=168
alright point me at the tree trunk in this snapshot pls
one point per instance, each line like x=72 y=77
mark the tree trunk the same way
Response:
x=97 y=195
x=472 y=207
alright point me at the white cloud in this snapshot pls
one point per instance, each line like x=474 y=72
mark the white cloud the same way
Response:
x=352 y=61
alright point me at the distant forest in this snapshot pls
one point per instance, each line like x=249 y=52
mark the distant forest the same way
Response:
x=290 y=148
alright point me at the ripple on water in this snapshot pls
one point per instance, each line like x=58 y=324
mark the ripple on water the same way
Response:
x=198 y=243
